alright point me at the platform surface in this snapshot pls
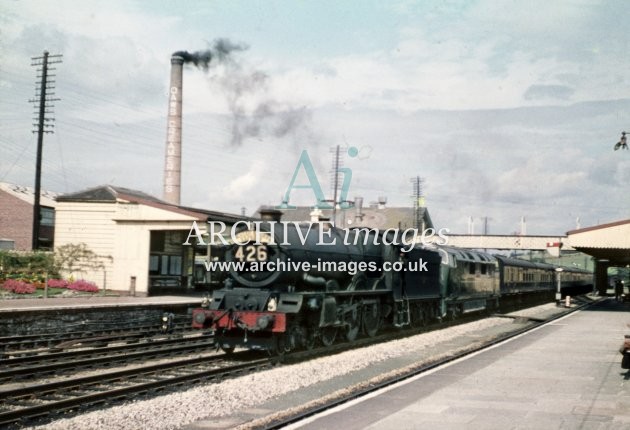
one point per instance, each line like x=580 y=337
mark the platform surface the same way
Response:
x=565 y=375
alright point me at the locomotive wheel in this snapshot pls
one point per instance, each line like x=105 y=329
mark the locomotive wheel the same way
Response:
x=354 y=324
x=419 y=316
x=328 y=335
x=371 y=317
x=359 y=282
x=309 y=342
x=279 y=347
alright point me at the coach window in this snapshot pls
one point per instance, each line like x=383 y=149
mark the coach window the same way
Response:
x=471 y=268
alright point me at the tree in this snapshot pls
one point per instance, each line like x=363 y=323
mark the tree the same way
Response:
x=79 y=257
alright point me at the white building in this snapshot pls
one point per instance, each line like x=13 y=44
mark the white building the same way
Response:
x=138 y=239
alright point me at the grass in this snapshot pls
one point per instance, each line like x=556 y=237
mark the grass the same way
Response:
x=51 y=292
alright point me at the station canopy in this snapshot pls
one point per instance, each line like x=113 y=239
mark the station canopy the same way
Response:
x=608 y=243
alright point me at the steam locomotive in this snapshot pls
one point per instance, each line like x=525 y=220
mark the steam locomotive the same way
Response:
x=287 y=290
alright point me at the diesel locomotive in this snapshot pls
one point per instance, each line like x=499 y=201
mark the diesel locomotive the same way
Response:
x=287 y=290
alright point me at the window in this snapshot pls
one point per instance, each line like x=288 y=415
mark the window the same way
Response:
x=158 y=240
x=47 y=216
x=165 y=265
x=175 y=265
x=154 y=264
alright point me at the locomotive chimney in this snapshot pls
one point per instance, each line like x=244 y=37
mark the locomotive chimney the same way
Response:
x=173 y=158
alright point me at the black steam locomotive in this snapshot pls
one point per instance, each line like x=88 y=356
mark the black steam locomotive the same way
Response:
x=291 y=287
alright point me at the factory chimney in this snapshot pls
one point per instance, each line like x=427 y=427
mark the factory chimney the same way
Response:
x=173 y=158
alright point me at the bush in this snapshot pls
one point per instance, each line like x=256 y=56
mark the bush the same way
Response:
x=82 y=285
x=27 y=262
x=58 y=283
x=18 y=287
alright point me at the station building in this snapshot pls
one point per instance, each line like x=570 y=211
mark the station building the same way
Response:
x=374 y=216
x=138 y=240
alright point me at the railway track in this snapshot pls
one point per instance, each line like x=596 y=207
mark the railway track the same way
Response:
x=33 y=403
x=71 y=361
x=14 y=346
x=38 y=401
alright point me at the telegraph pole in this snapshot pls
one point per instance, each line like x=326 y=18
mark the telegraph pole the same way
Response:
x=44 y=125
x=335 y=172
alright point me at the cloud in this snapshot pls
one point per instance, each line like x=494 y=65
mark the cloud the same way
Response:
x=245 y=183
x=557 y=92
x=506 y=109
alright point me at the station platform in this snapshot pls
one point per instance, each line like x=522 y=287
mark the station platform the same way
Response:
x=564 y=375
x=93 y=301
x=83 y=313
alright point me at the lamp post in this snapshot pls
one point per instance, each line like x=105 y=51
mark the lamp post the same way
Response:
x=559 y=271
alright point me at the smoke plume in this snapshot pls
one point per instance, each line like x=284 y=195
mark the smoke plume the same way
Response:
x=220 y=51
x=255 y=113
x=264 y=117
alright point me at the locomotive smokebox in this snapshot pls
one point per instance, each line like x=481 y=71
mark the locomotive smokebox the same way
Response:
x=173 y=156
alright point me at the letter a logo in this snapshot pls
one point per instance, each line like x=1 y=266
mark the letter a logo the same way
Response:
x=305 y=162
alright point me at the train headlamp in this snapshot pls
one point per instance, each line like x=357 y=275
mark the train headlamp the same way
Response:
x=205 y=303
x=168 y=323
x=264 y=322
x=272 y=304
x=200 y=317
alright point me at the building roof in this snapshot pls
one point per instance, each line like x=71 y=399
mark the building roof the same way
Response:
x=381 y=217
x=599 y=227
x=609 y=242
x=114 y=194
x=108 y=193
x=27 y=194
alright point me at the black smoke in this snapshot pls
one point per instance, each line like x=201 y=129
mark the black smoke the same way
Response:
x=268 y=117
x=219 y=51
x=240 y=85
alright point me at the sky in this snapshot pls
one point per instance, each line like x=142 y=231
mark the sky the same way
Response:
x=505 y=109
